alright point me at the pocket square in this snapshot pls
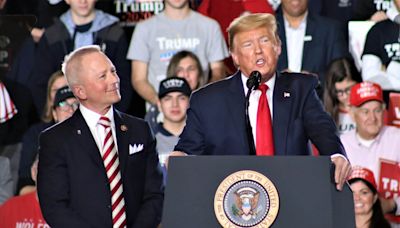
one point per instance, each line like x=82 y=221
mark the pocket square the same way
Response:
x=135 y=148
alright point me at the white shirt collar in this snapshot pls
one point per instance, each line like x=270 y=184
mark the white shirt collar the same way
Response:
x=270 y=83
x=92 y=118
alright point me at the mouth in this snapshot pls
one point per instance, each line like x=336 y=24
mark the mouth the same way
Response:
x=358 y=205
x=260 y=62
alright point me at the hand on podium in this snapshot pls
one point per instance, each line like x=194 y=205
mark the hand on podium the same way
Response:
x=342 y=170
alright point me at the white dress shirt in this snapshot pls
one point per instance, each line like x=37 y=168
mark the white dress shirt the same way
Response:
x=92 y=120
x=253 y=102
x=295 y=44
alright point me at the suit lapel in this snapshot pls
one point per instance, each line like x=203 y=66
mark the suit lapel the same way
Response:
x=283 y=58
x=282 y=103
x=122 y=130
x=85 y=140
x=308 y=45
x=236 y=105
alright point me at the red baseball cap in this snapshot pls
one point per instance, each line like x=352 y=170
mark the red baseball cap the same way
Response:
x=359 y=172
x=365 y=91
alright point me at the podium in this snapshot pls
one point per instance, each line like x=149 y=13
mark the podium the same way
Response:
x=307 y=193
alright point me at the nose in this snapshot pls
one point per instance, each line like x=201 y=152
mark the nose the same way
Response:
x=258 y=48
x=175 y=102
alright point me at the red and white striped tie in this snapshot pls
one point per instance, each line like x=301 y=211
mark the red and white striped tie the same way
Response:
x=111 y=163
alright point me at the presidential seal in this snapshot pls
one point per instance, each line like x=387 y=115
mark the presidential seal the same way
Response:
x=246 y=199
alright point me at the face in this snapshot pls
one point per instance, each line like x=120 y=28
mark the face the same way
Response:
x=368 y=118
x=258 y=50
x=177 y=4
x=81 y=8
x=174 y=106
x=363 y=197
x=294 y=8
x=57 y=84
x=65 y=109
x=98 y=83
x=187 y=69
x=343 y=90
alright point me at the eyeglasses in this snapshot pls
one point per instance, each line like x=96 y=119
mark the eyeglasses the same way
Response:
x=65 y=106
x=341 y=92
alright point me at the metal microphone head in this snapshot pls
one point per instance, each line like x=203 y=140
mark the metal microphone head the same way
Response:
x=254 y=80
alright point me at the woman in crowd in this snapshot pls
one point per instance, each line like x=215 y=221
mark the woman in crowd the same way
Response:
x=341 y=75
x=367 y=206
x=30 y=139
x=186 y=64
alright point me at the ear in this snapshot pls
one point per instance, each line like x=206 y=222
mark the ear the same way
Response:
x=54 y=114
x=79 y=92
x=278 y=50
x=235 y=59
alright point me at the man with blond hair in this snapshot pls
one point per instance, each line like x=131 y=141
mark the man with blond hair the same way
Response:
x=283 y=118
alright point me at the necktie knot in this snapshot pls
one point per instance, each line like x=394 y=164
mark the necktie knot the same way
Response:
x=263 y=88
x=105 y=122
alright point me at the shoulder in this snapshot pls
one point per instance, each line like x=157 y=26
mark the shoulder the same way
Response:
x=138 y=122
x=391 y=131
x=385 y=25
x=113 y=32
x=56 y=32
x=203 y=20
x=214 y=89
x=298 y=79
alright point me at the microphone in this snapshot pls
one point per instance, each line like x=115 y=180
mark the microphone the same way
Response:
x=254 y=80
x=252 y=83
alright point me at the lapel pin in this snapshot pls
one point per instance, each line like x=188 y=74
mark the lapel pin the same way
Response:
x=124 y=127
x=286 y=94
x=78 y=131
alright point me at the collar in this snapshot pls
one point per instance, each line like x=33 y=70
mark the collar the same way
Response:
x=92 y=118
x=270 y=83
x=302 y=25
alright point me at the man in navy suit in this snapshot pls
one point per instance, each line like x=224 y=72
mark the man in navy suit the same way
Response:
x=79 y=184
x=216 y=118
x=309 y=41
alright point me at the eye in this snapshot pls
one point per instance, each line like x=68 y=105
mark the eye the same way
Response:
x=264 y=40
x=246 y=44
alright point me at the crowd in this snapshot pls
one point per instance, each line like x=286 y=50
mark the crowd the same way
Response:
x=72 y=78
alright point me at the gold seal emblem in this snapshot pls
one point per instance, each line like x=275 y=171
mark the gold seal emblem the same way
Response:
x=246 y=199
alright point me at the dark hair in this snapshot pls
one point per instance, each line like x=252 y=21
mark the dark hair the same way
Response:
x=377 y=219
x=338 y=70
x=174 y=62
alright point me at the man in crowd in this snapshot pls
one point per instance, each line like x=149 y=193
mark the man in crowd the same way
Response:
x=157 y=39
x=174 y=93
x=309 y=42
x=98 y=168
x=381 y=55
x=371 y=141
x=283 y=118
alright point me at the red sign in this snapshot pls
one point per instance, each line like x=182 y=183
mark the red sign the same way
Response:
x=394 y=109
x=389 y=180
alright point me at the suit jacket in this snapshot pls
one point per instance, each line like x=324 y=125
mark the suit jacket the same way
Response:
x=216 y=124
x=73 y=186
x=327 y=42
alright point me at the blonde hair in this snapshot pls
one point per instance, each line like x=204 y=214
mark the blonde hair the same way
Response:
x=72 y=62
x=250 y=22
x=47 y=115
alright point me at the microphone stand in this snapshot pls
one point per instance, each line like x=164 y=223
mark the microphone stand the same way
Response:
x=252 y=83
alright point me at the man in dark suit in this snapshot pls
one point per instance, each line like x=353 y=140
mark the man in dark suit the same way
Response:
x=216 y=118
x=98 y=168
x=309 y=41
